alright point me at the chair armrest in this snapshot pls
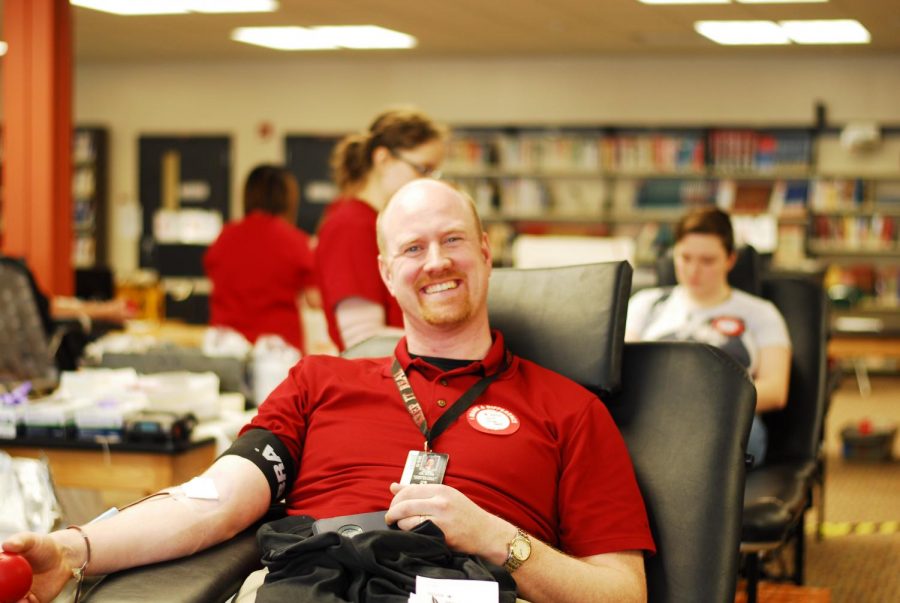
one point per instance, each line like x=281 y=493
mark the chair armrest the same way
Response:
x=210 y=576
x=775 y=497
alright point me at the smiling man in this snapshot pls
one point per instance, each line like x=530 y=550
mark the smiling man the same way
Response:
x=436 y=261
x=491 y=466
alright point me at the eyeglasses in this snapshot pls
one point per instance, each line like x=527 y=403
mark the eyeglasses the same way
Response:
x=425 y=171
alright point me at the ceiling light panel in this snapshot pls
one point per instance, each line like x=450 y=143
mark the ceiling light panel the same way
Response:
x=177 y=7
x=326 y=37
x=134 y=7
x=283 y=38
x=684 y=1
x=366 y=37
x=780 y=1
x=233 y=6
x=832 y=31
x=742 y=32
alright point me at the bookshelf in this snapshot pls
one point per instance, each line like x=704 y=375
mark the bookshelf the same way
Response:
x=89 y=196
x=630 y=181
x=2 y=188
x=854 y=226
x=826 y=207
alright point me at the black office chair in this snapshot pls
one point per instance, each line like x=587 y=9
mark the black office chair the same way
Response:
x=745 y=274
x=572 y=320
x=779 y=493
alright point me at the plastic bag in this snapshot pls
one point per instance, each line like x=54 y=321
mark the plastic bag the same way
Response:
x=27 y=499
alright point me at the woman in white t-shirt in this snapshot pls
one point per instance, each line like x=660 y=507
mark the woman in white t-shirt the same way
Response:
x=704 y=308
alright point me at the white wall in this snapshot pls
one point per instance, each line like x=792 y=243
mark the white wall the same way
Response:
x=333 y=95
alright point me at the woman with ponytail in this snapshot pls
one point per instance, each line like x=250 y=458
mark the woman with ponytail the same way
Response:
x=368 y=168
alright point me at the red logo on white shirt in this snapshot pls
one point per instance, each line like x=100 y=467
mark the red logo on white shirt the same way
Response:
x=492 y=419
x=729 y=326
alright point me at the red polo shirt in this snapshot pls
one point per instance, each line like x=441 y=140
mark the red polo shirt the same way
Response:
x=347 y=262
x=563 y=474
x=258 y=266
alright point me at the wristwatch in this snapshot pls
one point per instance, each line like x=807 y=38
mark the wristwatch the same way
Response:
x=519 y=551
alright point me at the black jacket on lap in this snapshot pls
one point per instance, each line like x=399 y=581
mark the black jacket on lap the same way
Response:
x=373 y=567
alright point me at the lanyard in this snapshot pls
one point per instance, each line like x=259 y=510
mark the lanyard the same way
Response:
x=462 y=404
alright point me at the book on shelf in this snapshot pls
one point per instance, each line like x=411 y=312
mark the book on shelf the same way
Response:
x=791 y=249
x=760 y=231
x=875 y=232
x=838 y=194
x=673 y=193
x=887 y=194
x=871 y=287
x=743 y=150
x=577 y=198
x=470 y=154
x=550 y=152
x=523 y=197
x=83 y=149
x=653 y=152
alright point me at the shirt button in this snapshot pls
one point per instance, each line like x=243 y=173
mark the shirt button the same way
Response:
x=443 y=382
x=442 y=403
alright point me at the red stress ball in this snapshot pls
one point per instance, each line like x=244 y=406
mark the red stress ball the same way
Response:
x=15 y=577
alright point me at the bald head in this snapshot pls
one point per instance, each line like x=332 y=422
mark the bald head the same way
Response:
x=418 y=196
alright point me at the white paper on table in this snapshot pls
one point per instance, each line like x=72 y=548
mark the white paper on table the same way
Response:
x=432 y=590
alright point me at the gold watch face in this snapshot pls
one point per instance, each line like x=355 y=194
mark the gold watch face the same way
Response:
x=521 y=549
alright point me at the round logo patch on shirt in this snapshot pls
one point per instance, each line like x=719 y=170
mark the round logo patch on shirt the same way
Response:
x=492 y=419
x=730 y=326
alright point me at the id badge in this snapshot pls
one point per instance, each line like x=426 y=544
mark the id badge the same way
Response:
x=424 y=467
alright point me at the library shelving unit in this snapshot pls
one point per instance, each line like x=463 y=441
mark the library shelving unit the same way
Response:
x=89 y=196
x=2 y=188
x=854 y=208
x=632 y=182
x=89 y=166
x=819 y=204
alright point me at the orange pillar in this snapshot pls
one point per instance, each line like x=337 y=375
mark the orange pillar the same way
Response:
x=37 y=139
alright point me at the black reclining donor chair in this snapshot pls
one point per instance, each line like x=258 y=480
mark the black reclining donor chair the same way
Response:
x=779 y=493
x=63 y=340
x=26 y=350
x=664 y=396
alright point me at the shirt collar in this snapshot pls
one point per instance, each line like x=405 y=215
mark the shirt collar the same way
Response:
x=490 y=364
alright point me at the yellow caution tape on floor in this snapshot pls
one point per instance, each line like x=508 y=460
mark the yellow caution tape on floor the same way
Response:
x=834 y=529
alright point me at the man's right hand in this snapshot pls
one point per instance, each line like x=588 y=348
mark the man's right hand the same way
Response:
x=51 y=561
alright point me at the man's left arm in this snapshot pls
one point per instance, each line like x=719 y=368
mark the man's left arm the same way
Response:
x=547 y=575
x=550 y=575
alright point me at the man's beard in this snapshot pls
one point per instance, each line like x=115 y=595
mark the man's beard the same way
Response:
x=446 y=315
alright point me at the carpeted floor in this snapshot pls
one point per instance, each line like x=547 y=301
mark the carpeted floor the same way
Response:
x=858 y=560
x=786 y=593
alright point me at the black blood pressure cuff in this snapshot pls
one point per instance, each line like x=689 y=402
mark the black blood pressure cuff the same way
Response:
x=266 y=451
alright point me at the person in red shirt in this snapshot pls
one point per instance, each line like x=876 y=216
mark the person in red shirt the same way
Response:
x=533 y=461
x=399 y=146
x=260 y=265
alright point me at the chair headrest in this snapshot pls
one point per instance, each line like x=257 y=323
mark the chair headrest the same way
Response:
x=568 y=319
x=746 y=274
x=25 y=354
